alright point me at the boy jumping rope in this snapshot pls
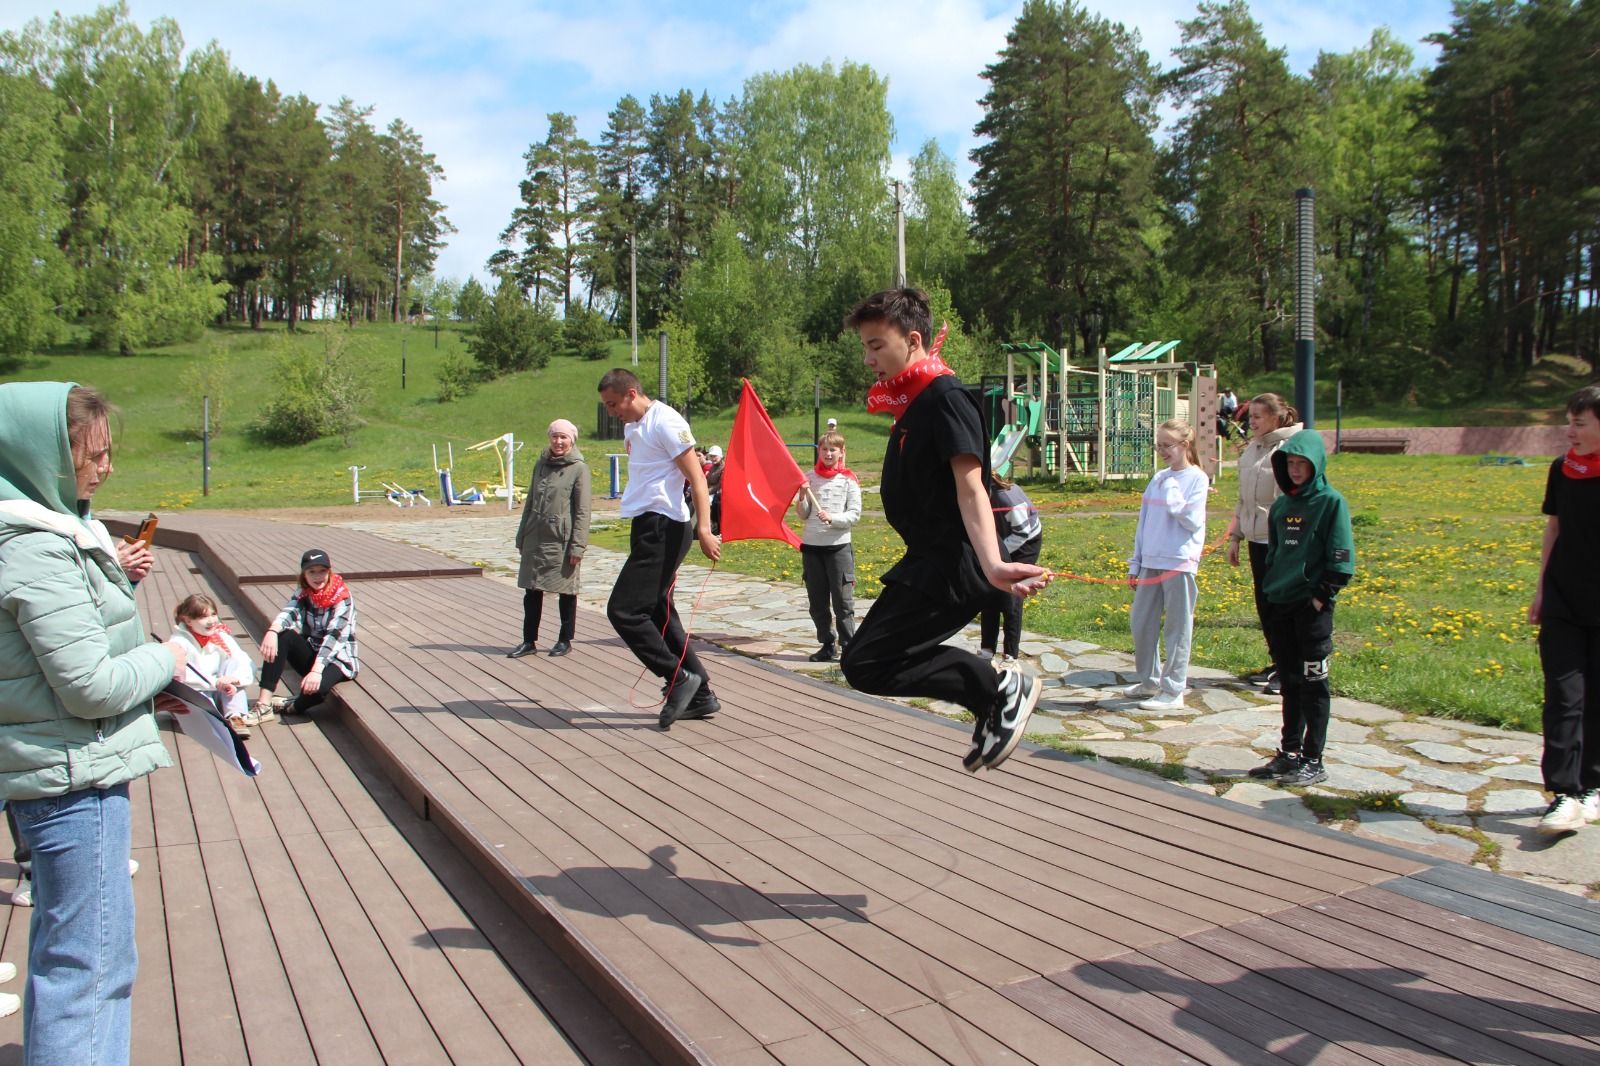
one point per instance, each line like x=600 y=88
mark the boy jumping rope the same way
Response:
x=935 y=497
x=661 y=460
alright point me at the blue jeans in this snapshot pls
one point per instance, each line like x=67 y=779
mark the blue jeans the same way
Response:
x=77 y=1006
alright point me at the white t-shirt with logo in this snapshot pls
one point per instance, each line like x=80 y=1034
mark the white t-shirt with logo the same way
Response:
x=655 y=483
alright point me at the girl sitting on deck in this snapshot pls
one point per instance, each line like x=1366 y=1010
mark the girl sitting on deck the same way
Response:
x=216 y=662
x=315 y=632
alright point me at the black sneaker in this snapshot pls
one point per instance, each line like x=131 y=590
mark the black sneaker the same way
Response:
x=1019 y=694
x=1261 y=676
x=1306 y=772
x=1274 y=687
x=823 y=654
x=704 y=705
x=1281 y=763
x=678 y=699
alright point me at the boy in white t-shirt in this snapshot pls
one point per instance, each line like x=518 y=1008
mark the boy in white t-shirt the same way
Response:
x=661 y=461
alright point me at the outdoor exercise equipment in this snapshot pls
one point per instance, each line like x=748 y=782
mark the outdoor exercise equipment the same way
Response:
x=391 y=491
x=505 y=452
x=447 y=492
x=1099 y=419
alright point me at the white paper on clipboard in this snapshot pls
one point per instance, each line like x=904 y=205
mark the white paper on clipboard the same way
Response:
x=204 y=724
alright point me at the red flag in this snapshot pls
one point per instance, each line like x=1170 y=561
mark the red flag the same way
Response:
x=761 y=478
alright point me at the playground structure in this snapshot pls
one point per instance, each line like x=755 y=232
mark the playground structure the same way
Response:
x=391 y=491
x=1097 y=420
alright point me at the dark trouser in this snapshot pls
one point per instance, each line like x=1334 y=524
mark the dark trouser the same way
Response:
x=640 y=607
x=1301 y=640
x=19 y=847
x=1570 y=655
x=1258 y=574
x=989 y=621
x=900 y=651
x=533 y=611
x=294 y=650
x=829 y=571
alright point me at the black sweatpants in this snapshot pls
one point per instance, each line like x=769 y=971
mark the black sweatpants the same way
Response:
x=1258 y=574
x=533 y=612
x=1570 y=655
x=640 y=608
x=829 y=572
x=294 y=650
x=989 y=622
x=900 y=650
x=1301 y=640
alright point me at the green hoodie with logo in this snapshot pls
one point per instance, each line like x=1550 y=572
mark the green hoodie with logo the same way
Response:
x=1310 y=551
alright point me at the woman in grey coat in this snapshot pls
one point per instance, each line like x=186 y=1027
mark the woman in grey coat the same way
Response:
x=552 y=536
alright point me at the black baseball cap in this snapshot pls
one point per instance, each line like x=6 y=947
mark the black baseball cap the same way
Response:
x=314 y=557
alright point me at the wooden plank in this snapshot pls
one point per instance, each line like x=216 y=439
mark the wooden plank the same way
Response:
x=1507 y=915
x=208 y=1013
x=1556 y=907
x=155 y=1008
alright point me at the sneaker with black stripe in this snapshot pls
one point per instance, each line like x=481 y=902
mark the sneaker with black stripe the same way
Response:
x=1019 y=694
x=982 y=740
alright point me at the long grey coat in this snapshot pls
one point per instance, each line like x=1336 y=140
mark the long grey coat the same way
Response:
x=555 y=523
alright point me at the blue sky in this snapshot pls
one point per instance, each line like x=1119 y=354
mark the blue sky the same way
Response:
x=476 y=78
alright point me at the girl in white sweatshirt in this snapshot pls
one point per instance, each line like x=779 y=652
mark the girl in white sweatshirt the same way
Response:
x=1166 y=553
x=827 y=558
x=216 y=663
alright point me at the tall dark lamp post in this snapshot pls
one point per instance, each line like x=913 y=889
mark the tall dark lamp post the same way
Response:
x=1305 y=306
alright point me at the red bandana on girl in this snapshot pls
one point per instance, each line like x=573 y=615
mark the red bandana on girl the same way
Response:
x=1580 y=467
x=830 y=471
x=895 y=394
x=213 y=637
x=332 y=591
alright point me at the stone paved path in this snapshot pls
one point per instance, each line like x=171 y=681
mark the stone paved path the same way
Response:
x=1470 y=792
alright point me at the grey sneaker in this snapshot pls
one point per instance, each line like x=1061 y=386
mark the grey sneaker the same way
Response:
x=1306 y=772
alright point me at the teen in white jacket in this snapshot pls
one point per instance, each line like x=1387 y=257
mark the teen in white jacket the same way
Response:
x=216 y=661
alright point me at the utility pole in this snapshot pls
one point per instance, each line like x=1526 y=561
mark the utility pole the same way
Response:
x=633 y=297
x=899 y=238
x=1305 y=307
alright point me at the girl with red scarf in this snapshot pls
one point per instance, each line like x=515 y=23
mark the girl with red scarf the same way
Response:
x=315 y=632
x=1566 y=608
x=830 y=506
x=216 y=663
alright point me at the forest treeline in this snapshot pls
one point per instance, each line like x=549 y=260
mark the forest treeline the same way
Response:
x=1458 y=204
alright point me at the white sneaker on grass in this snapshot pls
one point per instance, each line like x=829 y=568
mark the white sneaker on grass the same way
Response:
x=1166 y=701
x=1564 y=815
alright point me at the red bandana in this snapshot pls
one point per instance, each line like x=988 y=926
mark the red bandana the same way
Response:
x=895 y=394
x=830 y=471
x=213 y=637
x=1580 y=467
x=329 y=594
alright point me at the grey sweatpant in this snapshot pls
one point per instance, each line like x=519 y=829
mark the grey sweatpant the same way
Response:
x=1175 y=597
x=830 y=577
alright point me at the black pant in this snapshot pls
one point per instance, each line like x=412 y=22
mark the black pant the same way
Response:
x=640 y=607
x=1258 y=574
x=1301 y=640
x=900 y=650
x=1570 y=655
x=533 y=610
x=296 y=651
x=20 y=852
x=829 y=571
x=989 y=621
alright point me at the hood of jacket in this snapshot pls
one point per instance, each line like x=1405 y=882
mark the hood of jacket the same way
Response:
x=1307 y=444
x=36 y=462
x=573 y=456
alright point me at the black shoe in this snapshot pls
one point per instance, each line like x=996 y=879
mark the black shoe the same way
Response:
x=982 y=741
x=679 y=698
x=704 y=705
x=1019 y=694
x=1306 y=772
x=823 y=654
x=1281 y=763
x=1261 y=676
x=1274 y=686
x=525 y=648
x=560 y=648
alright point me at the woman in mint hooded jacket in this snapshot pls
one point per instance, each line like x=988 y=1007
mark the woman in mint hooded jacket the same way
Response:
x=77 y=677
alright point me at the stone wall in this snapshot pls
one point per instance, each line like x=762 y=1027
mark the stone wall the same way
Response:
x=1544 y=441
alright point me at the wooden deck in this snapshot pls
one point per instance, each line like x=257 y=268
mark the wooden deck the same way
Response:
x=809 y=877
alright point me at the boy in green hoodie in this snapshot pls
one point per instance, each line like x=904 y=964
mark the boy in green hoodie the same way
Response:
x=1310 y=557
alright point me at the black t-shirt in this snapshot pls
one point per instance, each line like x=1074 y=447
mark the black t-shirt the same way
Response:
x=919 y=490
x=1572 y=576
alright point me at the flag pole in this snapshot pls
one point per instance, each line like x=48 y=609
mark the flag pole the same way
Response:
x=816 y=504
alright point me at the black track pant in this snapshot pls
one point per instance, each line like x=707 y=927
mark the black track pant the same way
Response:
x=640 y=610
x=899 y=650
x=1570 y=655
x=295 y=651
x=1301 y=640
x=533 y=611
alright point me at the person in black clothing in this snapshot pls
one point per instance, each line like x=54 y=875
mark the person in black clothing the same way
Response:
x=934 y=495
x=1566 y=608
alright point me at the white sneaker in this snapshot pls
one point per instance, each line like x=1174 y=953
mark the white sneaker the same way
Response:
x=22 y=895
x=9 y=1004
x=7 y=972
x=1564 y=815
x=1166 y=701
x=1590 y=802
x=133 y=867
x=1142 y=690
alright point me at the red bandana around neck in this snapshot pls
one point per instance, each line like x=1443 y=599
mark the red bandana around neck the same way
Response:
x=213 y=637
x=1580 y=467
x=895 y=394
x=831 y=471
x=329 y=594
